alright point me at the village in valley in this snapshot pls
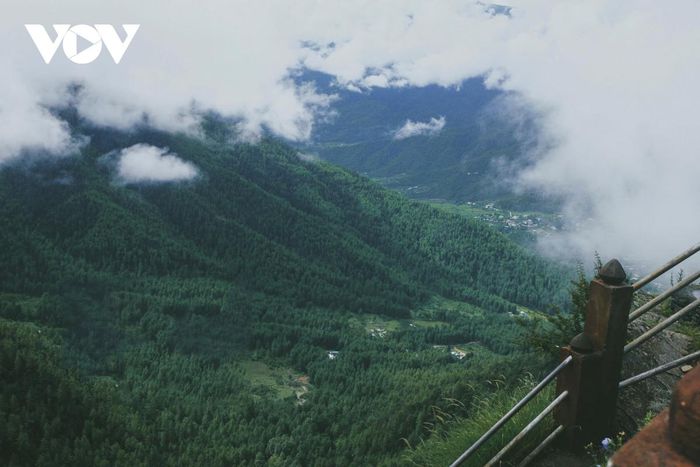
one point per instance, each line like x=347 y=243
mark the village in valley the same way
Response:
x=509 y=221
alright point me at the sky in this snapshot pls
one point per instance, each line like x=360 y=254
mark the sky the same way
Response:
x=614 y=83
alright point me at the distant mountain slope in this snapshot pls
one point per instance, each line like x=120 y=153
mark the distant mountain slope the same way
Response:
x=464 y=161
x=191 y=323
x=258 y=216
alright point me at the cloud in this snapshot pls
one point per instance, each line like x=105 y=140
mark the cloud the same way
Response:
x=142 y=163
x=307 y=157
x=616 y=79
x=25 y=125
x=621 y=132
x=411 y=128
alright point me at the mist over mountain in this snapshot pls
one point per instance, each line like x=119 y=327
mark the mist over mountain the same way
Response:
x=611 y=83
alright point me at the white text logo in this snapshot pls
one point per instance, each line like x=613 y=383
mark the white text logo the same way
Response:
x=89 y=38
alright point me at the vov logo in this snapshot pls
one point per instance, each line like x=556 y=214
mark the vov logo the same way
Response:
x=82 y=43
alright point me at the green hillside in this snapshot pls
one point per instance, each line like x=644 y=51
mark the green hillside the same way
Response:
x=191 y=323
x=481 y=147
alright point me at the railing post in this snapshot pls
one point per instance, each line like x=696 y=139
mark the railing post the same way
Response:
x=588 y=414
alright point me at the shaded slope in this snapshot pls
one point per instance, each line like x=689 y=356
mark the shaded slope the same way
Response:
x=162 y=291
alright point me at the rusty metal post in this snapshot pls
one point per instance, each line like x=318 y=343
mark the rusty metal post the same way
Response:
x=588 y=414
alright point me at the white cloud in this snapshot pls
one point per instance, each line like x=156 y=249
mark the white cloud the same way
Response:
x=307 y=157
x=24 y=124
x=142 y=163
x=617 y=77
x=411 y=128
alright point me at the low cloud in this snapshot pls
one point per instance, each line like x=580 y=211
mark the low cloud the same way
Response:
x=25 y=125
x=618 y=80
x=429 y=128
x=143 y=163
x=307 y=157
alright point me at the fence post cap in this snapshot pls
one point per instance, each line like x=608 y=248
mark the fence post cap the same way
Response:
x=612 y=273
x=581 y=343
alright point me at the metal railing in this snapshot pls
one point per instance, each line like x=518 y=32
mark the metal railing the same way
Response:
x=516 y=408
x=540 y=447
x=569 y=359
x=662 y=325
x=660 y=369
x=527 y=429
x=671 y=264
x=663 y=296
x=645 y=336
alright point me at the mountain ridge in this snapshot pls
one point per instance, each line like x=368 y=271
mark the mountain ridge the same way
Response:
x=160 y=294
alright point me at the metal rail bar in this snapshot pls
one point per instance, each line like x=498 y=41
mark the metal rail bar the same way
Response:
x=659 y=369
x=660 y=298
x=674 y=262
x=661 y=326
x=496 y=426
x=535 y=452
x=527 y=429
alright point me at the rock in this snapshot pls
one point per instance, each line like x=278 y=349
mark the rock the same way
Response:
x=652 y=395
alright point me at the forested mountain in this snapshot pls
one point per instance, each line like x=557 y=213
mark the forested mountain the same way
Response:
x=270 y=310
x=468 y=149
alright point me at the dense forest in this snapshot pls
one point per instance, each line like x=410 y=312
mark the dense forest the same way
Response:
x=271 y=311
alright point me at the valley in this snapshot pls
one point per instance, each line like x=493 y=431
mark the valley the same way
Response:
x=525 y=226
x=258 y=305
x=312 y=234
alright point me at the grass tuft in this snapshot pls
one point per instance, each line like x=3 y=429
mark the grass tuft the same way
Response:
x=448 y=440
